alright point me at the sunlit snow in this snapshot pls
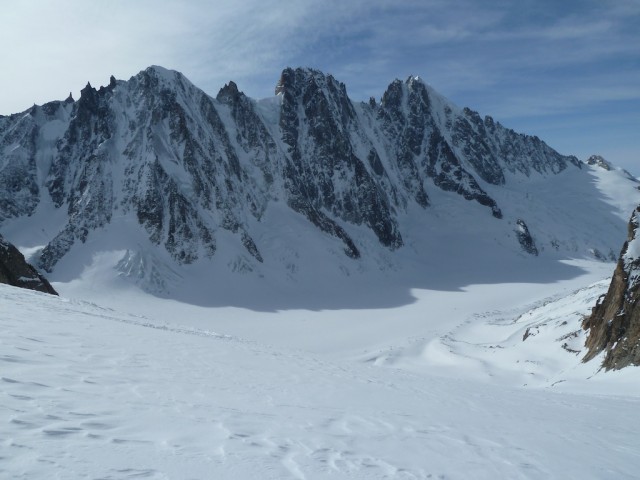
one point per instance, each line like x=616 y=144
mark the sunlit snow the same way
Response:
x=443 y=387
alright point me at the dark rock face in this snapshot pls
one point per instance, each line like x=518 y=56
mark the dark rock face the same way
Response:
x=439 y=145
x=449 y=175
x=614 y=323
x=404 y=117
x=599 y=161
x=190 y=168
x=19 y=190
x=79 y=175
x=524 y=238
x=469 y=134
x=323 y=171
x=15 y=271
x=512 y=152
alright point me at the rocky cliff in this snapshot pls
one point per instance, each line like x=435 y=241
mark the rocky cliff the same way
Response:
x=614 y=324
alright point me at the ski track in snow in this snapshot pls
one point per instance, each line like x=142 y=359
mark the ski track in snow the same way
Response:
x=87 y=392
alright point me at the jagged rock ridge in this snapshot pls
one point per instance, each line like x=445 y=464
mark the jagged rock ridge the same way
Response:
x=614 y=324
x=190 y=168
x=15 y=271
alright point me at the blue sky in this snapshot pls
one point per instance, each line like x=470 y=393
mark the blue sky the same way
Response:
x=567 y=71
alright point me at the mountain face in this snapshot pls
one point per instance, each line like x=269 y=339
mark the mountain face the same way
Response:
x=189 y=175
x=15 y=271
x=614 y=324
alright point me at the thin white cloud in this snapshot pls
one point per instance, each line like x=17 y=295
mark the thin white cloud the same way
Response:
x=562 y=102
x=56 y=49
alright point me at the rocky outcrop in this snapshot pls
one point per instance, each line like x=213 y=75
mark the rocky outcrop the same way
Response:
x=599 y=161
x=15 y=271
x=525 y=239
x=614 y=324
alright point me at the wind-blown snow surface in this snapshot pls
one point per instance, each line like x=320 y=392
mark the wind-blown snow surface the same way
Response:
x=441 y=387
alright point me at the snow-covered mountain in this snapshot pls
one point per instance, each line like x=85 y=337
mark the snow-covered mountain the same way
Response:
x=161 y=175
x=389 y=289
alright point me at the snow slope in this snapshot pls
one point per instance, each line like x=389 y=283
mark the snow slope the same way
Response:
x=158 y=389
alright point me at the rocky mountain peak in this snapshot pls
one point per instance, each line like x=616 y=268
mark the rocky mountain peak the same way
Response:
x=304 y=79
x=399 y=92
x=614 y=323
x=319 y=124
x=417 y=85
x=229 y=93
x=154 y=79
x=393 y=95
x=88 y=93
x=599 y=161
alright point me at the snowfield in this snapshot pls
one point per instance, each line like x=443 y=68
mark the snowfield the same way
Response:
x=443 y=386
